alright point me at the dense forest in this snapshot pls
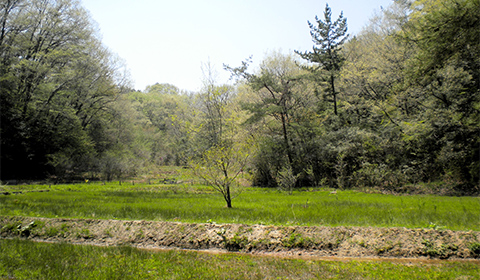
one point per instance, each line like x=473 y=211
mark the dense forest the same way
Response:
x=396 y=105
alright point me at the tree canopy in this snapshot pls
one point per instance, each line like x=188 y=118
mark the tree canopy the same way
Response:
x=405 y=93
x=57 y=81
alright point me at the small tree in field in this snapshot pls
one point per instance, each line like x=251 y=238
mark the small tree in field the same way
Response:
x=222 y=151
x=220 y=167
x=286 y=179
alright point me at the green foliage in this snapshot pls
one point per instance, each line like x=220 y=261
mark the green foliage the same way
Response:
x=447 y=75
x=405 y=118
x=18 y=229
x=13 y=227
x=416 y=92
x=235 y=243
x=163 y=124
x=282 y=112
x=443 y=251
x=286 y=180
x=52 y=231
x=223 y=150
x=295 y=240
x=475 y=248
x=221 y=166
x=56 y=81
x=327 y=55
x=162 y=89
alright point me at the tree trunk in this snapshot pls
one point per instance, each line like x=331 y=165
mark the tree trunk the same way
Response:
x=285 y=139
x=332 y=85
x=228 y=197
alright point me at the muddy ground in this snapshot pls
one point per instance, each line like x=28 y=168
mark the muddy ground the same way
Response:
x=356 y=242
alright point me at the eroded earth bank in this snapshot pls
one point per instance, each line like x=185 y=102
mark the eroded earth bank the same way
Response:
x=258 y=239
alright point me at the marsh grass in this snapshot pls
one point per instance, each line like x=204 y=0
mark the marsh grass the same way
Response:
x=23 y=259
x=200 y=204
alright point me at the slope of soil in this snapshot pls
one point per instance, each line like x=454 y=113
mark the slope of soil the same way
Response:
x=286 y=241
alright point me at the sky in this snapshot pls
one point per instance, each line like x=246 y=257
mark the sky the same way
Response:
x=168 y=41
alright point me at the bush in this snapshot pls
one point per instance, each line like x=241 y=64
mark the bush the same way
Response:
x=286 y=179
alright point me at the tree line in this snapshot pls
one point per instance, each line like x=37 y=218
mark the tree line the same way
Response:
x=395 y=105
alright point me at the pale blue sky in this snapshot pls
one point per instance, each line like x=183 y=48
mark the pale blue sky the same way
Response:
x=167 y=41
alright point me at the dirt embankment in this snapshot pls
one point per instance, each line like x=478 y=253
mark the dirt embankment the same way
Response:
x=260 y=239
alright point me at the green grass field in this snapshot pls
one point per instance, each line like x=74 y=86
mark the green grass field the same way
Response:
x=200 y=204
x=20 y=259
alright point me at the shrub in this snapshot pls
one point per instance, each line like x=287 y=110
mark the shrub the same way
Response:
x=475 y=249
x=52 y=231
x=286 y=180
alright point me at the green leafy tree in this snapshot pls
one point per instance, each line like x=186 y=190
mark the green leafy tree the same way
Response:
x=373 y=73
x=369 y=146
x=222 y=148
x=407 y=80
x=328 y=37
x=282 y=105
x=162 y=89
x=56 y=80
x=165 y=116
x=443 y=77
x=221 y=166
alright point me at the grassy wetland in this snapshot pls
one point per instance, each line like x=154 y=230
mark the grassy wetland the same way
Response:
x=161 y=200
x=200 y=204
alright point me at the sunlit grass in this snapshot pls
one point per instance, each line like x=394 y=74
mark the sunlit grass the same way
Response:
x=22 y=259
x=196 y=203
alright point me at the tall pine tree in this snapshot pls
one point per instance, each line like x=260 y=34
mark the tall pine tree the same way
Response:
x=328 y=38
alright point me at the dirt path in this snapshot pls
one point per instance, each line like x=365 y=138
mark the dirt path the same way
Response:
x=294 y=241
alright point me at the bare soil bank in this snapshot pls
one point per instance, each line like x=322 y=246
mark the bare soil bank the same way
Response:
x=259 y=239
